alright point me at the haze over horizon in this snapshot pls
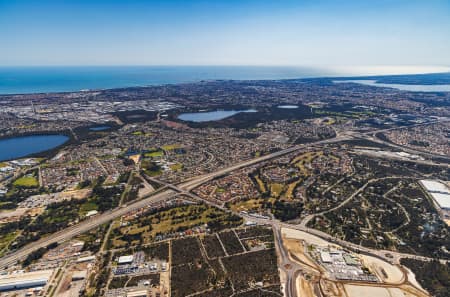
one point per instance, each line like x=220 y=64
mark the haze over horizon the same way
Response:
x=379 y=37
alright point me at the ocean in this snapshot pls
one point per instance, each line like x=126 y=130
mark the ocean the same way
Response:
x=26 y=80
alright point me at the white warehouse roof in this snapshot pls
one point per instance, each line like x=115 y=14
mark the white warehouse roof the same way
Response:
x=141 y=293
x=439 y=192
x=325 y=257
x=125 y=259
x=442 y=199
x=435 y=186
x=24 y=280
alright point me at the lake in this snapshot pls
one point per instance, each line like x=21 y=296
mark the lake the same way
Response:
x=99 y=128
x=22 y=146
x=287 y=106
x=402 y=87
x=210 y=115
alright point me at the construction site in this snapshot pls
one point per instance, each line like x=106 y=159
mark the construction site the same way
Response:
x=324 y=269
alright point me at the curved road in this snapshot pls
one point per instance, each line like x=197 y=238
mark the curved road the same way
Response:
x=162 y=195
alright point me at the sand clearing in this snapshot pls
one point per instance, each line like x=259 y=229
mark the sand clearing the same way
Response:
x=296 y=234
x=366 y=291
x=304 y=287
x=412 y=279
x=394 y=274
x=296 y=248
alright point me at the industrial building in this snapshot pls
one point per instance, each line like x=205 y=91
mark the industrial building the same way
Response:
x=85 y=259
x=140 y=293
x=125 y=260
x=17 y=281
x=439 y=192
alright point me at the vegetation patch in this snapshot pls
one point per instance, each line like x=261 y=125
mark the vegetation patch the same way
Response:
x=433 y=276
x=231 y=242
x=249 y=268
x=26 y=181
x=212 y=246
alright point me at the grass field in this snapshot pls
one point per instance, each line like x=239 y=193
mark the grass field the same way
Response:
x=171 y=147
x=5 y=240
x=291 y=188
x=154 y=154
x=261 y=185
x=176 y=167
x=252 y=204
x=276 y=189
x=88 y=206
x=168 y=221
x=153 y=172
x=28 y=181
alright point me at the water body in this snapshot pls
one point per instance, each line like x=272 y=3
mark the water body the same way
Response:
x=287 y=106
x=412 y=88
x=23 y=80
x=210 y=115
x=99 y=128
x=18 y=147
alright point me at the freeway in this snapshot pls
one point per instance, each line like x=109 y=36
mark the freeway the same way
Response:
x=195 y=182
x=82 y=227
x=169 y=191
x=386 y=255
x=160 y=195
x=289 y=267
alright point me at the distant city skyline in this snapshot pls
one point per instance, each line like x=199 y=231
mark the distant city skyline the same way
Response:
x=380 y=35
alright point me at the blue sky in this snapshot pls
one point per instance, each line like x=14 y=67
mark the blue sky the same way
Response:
x=228 y=32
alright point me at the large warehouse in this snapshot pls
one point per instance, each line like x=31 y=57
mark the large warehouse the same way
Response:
x=24 y=280
x=439 y=191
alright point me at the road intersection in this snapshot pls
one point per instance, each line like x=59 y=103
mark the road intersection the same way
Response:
x=169 y=191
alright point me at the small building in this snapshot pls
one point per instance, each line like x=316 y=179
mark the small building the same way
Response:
x=350 y=260
x=125 y=259
x=140 y=293
x=325 y=257
x=79 y=275
x=85 y=259
x=250 y=223
x=91 y=213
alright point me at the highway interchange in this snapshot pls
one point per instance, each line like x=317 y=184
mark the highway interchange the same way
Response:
x=168 y=191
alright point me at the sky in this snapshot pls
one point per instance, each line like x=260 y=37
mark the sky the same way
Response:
x=382 y=33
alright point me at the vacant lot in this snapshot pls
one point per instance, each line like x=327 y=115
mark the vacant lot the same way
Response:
x=260 y=266
x=231 y=242
x=28 y=181
x=212 y=246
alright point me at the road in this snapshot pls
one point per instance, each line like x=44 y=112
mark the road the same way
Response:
x=304 y=222
x=82 y=227
x=185 y=187
x=289 y=267
x=160 y=195
x=386 y=255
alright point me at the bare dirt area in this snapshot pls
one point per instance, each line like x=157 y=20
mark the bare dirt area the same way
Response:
x=314 y=280
x=304 y=288
x=386 y=272
x=412 y=279
x=366 y=291
x=296 y=234
x=296 y=248
x=373 y=291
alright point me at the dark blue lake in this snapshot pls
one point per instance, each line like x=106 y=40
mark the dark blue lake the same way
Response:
x=99 y=128
x=210 y=115
x=18 y=147
x=287 y=106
